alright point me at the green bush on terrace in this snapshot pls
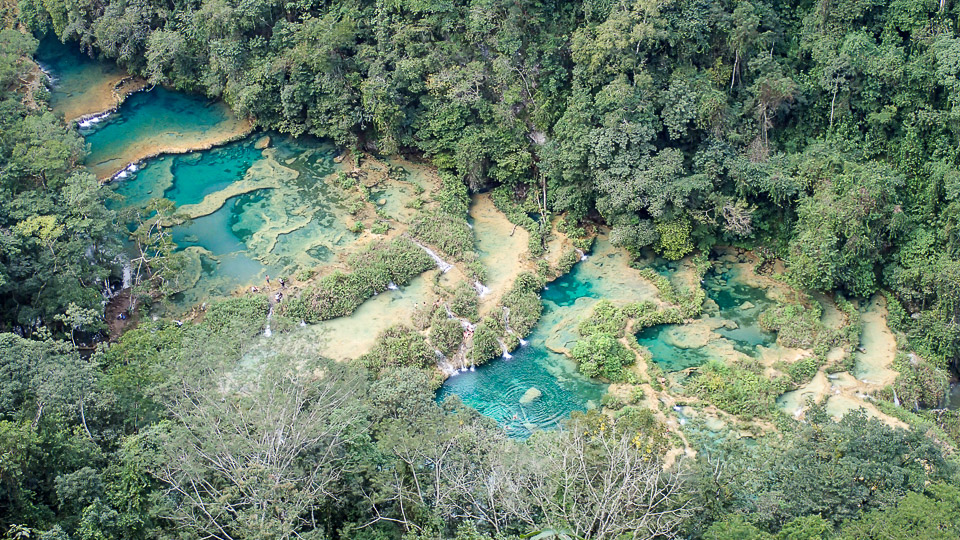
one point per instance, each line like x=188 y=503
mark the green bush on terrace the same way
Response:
x=466 y=302
x=446 y=226
x=523 y=301
x=486 y=344
x=448 y=233
x=567 y=261
x=690 y=302
x=606 y=318
x=446 y=333
x=798 y=325
x=339 y=293
x=247 y=314
x=601 y=355
x=741 y=389
x=399 y=346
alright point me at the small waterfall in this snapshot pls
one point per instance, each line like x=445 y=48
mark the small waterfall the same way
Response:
x=51 y=79
x=503 y=347
x=583 y=256
x=90 y=121
x=482 y=289
x=130 y=169
x=444 y=364
x=506 y=319
x=441 y=264
x=266 y=331
x=127 y=275
x=523 y=342
x=392 y=286
x=896 y=399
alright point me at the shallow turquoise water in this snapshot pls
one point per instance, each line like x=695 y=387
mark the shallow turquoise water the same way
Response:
x=730 y=295
x=272 y=231
x=73 y=72
x=667 y=356
x=565 y=291
x=496 y=387
x=149 y=121
x=196 y=177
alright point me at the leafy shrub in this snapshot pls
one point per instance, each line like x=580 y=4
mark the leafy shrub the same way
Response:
x=446 y=334
x=850 y=333
x=674 y=240
x=523 y=301
x=605 y=318
x=475 y=268
x=399 y=346
x=567 y=261
x=345 y=182
x=450 y=234
x=601 y=355
x=247 y=314
x=452 y=195
x=465 y=302
x=920 y=382
x=612 y=402
x=647 y=314
x=798 y=326
x=422 y=316
x=543 y=269
x=803 y=370
x=737 y=389
x=668 y=293
x=306 y=274
x=339 y=293
x=380 y=227
x=485 y=342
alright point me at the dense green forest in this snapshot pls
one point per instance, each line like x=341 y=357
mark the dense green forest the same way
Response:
x=825 y=131
x=825 y=134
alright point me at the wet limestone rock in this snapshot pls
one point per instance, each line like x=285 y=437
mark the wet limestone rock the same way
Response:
x=263 y=142
x=530 y=395
x=690 y=336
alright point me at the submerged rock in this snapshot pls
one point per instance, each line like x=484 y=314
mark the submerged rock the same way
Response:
x=262 y=143
x=531 y=395
x=747 y=305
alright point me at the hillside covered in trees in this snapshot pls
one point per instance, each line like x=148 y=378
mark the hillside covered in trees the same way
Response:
x=825 y=131
x=822 y=135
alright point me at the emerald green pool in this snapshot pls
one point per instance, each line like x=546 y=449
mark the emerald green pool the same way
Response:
x=295 y=221
x=79 y=85
x=153 y=122
x=734 y=299
x=495 y=388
